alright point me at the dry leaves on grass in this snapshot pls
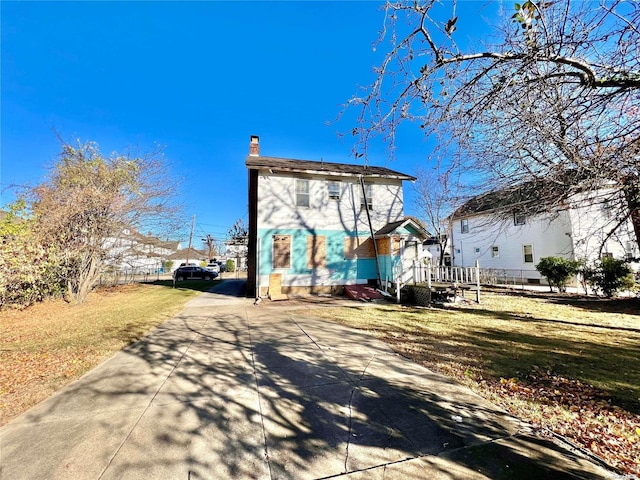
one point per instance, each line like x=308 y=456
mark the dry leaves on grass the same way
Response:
x=574 y=410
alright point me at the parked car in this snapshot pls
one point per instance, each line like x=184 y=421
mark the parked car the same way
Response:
x=223 y=266
x=193 y=273
x=213 y=267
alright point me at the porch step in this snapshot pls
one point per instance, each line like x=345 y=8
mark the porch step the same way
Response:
x=364 y=293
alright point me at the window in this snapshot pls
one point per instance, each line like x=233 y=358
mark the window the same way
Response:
x=369 y=197
x=495 y=251
x=477 y=249
x=302 y=193
x=527 y=250
x=464 y=225
x=281 y=251
x=519 y=219
x=334 y=190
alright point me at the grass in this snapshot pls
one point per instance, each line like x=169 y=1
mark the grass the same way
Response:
x=48 y=345
x=565 y=363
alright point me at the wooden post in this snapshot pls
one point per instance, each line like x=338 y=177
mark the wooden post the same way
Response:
x=477 y=281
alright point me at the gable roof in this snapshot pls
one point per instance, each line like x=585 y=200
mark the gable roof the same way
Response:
x=518 y=197
x=391 y=227
x=325 y=168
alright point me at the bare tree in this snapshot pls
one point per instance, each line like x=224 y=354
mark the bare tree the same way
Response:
x=89 y=200
x=553 y=100
x=438 y=194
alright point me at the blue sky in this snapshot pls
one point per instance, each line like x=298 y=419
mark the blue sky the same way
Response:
x=196 y=77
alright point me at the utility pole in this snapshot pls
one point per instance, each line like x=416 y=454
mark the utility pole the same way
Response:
x=193 y=222
x=211 y=246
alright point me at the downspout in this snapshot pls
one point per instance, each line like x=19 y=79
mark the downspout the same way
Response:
x=375 y=245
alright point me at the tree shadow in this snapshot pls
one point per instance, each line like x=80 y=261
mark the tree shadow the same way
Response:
x=260 y=395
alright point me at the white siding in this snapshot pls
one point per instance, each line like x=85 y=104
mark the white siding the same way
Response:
x=548 y=237
x=277 y=205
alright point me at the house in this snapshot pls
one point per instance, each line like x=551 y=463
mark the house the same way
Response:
x=187 y=255
x=311 y=224
x=494 y=229
x=236 y=251
x=135 y=252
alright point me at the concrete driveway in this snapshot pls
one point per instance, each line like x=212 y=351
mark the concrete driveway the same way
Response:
x=227 y=389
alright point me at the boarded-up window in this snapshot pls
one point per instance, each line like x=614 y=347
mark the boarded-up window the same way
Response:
x=282 y=251
x=316 y=251
x=362 y=247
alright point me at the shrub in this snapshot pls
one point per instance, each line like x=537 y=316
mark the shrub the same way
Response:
x=558 y=271
x=609 y=276
x=231 y=266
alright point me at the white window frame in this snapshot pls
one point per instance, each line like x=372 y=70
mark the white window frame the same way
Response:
x=302 y=193
x=524 y=254
x=334 y=193
x=368 y=193
x=495 y=251
x=519 y=219
x=464 y=225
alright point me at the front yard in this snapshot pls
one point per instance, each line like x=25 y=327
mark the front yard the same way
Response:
x=567 y=364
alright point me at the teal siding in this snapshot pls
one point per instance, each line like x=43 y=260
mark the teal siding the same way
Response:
x=341 y=269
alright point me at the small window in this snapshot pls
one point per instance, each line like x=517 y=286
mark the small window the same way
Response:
x=527 y=250
x=477 y=249
x=495 y=251
x=519 y=219
x=464 y=225
x=302 y=193
x=607 y=255
x=367 y=198
x=334 y=190
x=281 y=251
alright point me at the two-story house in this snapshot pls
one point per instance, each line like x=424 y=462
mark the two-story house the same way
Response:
x=493 y=229
x=311 y=224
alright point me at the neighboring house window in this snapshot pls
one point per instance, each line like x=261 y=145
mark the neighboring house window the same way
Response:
x=519 y=219
x=302 y=192
x=495 y=251
x=528 y=253
x=464 y=225
x=477 y=249
x=369 y=197
x=607 y=255
x=334 y=190
x=316 y=251
x=282 y=251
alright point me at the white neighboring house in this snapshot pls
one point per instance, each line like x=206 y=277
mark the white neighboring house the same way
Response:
x=236 y=250
x=135 y=252
x=516 y=244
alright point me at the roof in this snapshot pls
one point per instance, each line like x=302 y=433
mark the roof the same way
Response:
x=187 y=252
x=516 y=197
x=391 y=227
x=325 y=168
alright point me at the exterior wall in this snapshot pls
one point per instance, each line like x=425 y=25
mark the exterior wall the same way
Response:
x=591 y=223
x=336 y=220
x=277 y=204
x=548 y=236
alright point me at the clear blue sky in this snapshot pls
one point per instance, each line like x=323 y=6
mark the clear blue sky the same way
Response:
x=196 y=77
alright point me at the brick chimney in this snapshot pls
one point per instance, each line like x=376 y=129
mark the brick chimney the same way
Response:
x=254 y=146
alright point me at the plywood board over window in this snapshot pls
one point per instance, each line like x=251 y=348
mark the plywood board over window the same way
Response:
x=316 y=251
x=282 y=251
x=362 y=247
